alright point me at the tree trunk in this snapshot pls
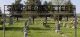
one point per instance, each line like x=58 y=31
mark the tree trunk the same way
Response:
x=11 y=20
x=67 y=18
x=45 y=23
x=46 y=20
x=33 y=20
x=17 y=19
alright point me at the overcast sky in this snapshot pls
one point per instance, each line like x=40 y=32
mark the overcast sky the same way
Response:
x=6 y=2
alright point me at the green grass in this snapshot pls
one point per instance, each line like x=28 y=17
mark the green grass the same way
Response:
x=37 y=30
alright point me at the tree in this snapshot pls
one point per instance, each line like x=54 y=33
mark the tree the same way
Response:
x=58 y=2
x=49 y=3
x=49 y=8
x=1 y=22
x=70 y=10
x=44 y=9
x=34 y=5
x=58 y=16
x=0 y=12
x=16 y=9
x=45 y=13
x=32 y=14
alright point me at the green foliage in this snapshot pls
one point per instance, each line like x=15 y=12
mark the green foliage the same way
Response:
x=0 y=12
x=34 y=4
x=69 y=11
x=16 y=8
x=70 y=8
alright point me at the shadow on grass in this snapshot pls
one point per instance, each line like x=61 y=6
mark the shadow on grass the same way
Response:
x=1 y=28
x=12 y=28
x=21 y=28
x=38 y=28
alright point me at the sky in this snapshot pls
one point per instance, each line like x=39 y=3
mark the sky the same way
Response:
x=8 y=2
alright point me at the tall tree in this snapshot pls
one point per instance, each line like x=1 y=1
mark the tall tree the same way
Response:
x=45 y=12
x=70 y=11
x=49 y=3
x=59 y=17
x=58 y=2
x=0 y=12
x=0 y=15
x=32 y=14
x=34 y=6
x=49 y=8
x=16 y=9
x=44 y=9
x=70 y=8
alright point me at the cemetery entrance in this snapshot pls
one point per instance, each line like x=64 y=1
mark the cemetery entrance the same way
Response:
x=40 y=21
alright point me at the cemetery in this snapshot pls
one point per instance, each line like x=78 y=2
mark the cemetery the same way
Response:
x=39 y=20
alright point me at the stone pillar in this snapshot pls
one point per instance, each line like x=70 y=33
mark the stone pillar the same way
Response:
x=57 y=27
x=25 y=31
x=26 y=27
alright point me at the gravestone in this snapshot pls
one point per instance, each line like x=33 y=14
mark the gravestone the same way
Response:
x=26 y=30
x=57 y=27
x=26 y=27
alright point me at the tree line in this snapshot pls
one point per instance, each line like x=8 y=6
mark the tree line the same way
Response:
x=18 y=10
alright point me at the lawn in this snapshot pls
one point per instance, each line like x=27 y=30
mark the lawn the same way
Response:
x=37 y=30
